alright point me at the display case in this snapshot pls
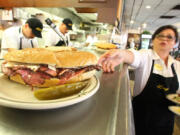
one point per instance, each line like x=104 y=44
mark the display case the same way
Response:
x=145 y=41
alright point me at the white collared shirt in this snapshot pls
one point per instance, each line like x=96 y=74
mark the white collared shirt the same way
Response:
x=52 y=38
x=11 y=39
x=143 y=63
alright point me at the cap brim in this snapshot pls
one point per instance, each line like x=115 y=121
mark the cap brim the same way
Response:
x=69 y=28
x=37 y=33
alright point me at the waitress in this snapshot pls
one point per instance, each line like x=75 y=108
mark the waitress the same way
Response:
x=157 y=74
x=22 y=37
x=62 y=38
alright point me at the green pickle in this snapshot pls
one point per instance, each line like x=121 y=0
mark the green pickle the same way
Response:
x=59 y=91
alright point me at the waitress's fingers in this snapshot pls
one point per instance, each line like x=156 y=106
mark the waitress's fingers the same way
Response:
x=104 y=66
x=109 y=67
x=112 y=66
x=104 y=61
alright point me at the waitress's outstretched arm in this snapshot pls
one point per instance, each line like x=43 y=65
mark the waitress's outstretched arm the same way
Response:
x=113 y=58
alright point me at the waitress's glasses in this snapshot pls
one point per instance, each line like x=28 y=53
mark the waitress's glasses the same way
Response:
x=168 y=37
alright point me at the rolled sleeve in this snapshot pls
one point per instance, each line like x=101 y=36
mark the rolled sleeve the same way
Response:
x=137 y=58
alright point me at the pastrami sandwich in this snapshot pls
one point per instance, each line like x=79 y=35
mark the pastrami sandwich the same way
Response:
x=43 y=68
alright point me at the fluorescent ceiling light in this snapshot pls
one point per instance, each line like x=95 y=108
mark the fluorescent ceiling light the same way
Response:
x=131 y=21
x=144 y=25
x=148 y=6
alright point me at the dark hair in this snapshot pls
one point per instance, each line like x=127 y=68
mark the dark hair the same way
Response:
x=160 y=29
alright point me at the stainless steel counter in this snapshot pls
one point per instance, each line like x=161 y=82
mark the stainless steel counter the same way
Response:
x=108 y=112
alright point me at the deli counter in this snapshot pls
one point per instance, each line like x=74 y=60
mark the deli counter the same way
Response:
x=107 y=112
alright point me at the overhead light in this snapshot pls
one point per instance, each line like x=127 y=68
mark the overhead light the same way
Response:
x=144 y=25
x=148 y=6
x=131 y=21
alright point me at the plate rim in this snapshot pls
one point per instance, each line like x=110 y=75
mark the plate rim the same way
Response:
x=174 y=94
x=170 y=108
x=52 y=104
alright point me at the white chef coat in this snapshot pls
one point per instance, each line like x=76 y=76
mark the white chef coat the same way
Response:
x=52 y=38
x=143 y=63
x=11 y=39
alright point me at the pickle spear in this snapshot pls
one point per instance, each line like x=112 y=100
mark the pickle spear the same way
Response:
x=59 y=91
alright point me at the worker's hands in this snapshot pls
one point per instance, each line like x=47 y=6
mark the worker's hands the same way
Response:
x=110 y=60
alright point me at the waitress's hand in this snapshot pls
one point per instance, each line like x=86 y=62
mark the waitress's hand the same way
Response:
x=110 y=60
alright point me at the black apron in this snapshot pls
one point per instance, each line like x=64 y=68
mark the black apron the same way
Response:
x=62 y=43
x=20 y=46
x=151 y=114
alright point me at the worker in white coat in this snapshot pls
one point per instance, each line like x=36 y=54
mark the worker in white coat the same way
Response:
x=22 y=37
x=59 y=36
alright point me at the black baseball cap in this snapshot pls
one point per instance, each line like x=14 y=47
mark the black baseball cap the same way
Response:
x=68 y=23
x=36 y=26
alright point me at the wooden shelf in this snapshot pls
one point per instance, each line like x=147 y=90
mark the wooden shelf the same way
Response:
x=92 y=1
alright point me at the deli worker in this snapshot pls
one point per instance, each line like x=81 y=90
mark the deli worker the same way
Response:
x=22 y=37
x=157 y=74
x=62 y=38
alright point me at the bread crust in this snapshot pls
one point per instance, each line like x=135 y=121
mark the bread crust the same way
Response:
x=55 y=81
x=63 y=59
x=73 y=59
x=32 y=55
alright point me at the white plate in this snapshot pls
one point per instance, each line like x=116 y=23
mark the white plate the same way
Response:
x=172 y=97
x=15 y=95
x=175 y=109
